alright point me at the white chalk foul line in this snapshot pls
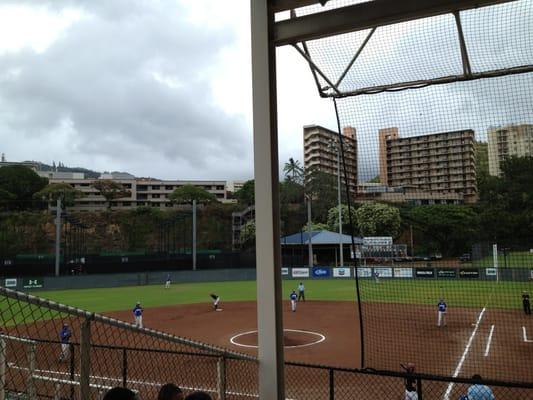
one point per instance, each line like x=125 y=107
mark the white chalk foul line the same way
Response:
x=465 y=353
x=320 y=339
x=524 y=333
x=489 y=341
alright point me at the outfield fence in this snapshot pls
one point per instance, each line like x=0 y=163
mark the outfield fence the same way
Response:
x=105 y=352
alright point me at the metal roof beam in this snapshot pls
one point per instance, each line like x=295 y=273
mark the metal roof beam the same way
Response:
x=284 y=5
x=364 y=16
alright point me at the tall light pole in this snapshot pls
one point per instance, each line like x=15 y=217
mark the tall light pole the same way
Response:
x=335 y=147
x=309 y=235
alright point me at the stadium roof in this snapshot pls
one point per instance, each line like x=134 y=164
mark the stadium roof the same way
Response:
x=318 y=237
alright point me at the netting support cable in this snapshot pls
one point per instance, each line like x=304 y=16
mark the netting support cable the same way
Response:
x=356 y=55
x=315 y=67
x=352 y=233
x=467 y=70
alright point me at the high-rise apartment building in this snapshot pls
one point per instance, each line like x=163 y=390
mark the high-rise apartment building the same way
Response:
x=439 y=163
x=320 y=152
x=508 y=141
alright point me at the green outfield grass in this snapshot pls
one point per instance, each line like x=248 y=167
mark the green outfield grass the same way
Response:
x=515 y=259
x=458 y=293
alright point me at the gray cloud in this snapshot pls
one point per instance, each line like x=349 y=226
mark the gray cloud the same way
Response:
x=103 y=79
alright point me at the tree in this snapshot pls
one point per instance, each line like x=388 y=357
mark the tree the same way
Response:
x=315 y=226
x=322 y=187
x=186 y=194
x=246 y=195
x=377 y=219
x=375 y=179
x=111 y=190
x=63 y=191
x=248 y=231
x=333 y=219
x=293 y=171
x=21 y=182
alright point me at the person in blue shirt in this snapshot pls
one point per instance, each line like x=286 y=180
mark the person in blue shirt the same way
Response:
x=167 y=282
x=441 y=307
x=64 y=338
x=138 y=315
x=293 y=298
x=478 y=391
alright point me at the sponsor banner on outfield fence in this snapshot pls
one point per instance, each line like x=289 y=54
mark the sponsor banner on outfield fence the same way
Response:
x=32 y=283
x=364 y=272
x=425 y=273
x=446 y=273
x=321 y=272
x=383 y=272
x=284 y=271
x=403 y=272
x=469 y=273
x=11 y=282
x=300 y=272
x=341 y=272
x=491 y=271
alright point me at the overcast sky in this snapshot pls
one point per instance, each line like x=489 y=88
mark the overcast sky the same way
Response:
x=163 y=88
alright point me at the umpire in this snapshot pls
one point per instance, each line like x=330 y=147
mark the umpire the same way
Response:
x=525 y=303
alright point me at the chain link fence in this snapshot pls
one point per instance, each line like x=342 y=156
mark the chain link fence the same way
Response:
x=103 y=353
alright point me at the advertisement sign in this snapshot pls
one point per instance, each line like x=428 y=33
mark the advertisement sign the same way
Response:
x=8 y=262
x=403 y=272
x=491 y=271
x=383 y=272
x=377 y=241
x=364 y=272
x=300 y=272
x=284 y=271
x=469 y=273
x=446 y=273
x=341 y=272
x=10 y=282
x=32 y=283
x=321 y=272
x=425 y=273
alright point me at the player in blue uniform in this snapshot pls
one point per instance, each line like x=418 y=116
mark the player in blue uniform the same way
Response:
x=442 y=307
x=64 y=337
x=293 y=298
x=138 y=315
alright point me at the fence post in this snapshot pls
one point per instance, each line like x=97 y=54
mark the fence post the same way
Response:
x=31 y=372
x=57 y=392
x=331 y=384
x=221 y=378
x=72 y=369
x=124 y=368
x=2 y=369
x=85 y=359
x=419 y=388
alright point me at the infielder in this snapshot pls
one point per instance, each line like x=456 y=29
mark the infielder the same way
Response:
x=216 y=300
x=441 y=321
x=293 y=297
x=525 y=303
x=138 y=315
x=64 y=337
x=167 y=282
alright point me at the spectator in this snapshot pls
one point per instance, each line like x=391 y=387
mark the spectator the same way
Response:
x=170 y=392
x=478 y=391
x=198 y=396
x=410 y=382
x=120 y=393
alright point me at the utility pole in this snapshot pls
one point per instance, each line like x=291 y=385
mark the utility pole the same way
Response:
x=341 y=251
x=310 y=242
x=58 y=235
x=194 y=235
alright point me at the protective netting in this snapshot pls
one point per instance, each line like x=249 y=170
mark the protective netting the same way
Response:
x=442 y=209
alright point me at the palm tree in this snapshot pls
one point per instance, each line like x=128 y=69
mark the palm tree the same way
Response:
x=293 y=170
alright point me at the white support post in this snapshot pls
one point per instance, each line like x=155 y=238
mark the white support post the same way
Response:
x=495 y=260
x=58 y=236
x=2 y=369
x=194 y=235
x=221 y=378
x=32 y=394
x=341 y=251
x=309 y=234
x=268 y=250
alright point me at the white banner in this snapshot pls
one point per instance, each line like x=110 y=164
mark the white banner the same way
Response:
x=364 y=272
x=341 y=272
x=384 y=272
x=377 y=241
x=491 y=271
x=284 y=271
x=403 y=272
x=300 y=272
x=12 y=282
